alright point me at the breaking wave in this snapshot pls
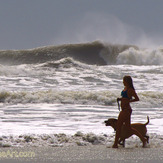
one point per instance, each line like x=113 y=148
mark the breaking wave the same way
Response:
x=148 y=98
x=89 y=53
x=140 y=57
x=52 y=96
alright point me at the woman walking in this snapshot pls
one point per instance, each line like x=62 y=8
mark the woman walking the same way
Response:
x=128 y=95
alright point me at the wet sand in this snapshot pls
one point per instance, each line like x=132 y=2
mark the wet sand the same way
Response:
x=83 y=154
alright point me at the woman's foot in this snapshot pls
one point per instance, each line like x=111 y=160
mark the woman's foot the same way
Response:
x=115 y=146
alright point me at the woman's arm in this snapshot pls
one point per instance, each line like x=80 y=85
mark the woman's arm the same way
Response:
x=131 y=93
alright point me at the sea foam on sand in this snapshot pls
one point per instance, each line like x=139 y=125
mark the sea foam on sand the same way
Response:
x=78 y=139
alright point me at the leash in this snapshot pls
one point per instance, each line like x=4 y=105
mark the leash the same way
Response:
x=119 y=108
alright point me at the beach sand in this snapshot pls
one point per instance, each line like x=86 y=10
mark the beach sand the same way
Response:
x=80 y=154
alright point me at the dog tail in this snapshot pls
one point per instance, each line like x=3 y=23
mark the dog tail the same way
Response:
x=147 y=121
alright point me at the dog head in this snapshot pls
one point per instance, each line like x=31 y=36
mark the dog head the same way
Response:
x=111 y=122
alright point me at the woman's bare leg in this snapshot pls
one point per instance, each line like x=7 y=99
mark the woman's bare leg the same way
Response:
x=118 y=129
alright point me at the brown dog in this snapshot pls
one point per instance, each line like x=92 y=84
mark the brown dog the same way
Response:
x=124 y=134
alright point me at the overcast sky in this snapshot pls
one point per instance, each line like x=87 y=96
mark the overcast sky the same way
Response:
x=28 y=24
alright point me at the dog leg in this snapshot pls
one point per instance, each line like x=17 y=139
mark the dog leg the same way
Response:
x=122 y=142
x=147 y=137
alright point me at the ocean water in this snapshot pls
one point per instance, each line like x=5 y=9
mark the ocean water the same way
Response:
x=69 y=90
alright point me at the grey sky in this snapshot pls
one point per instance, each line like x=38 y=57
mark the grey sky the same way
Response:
x=33 y=23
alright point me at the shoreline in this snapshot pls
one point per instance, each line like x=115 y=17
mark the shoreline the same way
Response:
x=80 y=154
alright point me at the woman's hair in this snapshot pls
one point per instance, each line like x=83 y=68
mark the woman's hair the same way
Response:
x=128 y=79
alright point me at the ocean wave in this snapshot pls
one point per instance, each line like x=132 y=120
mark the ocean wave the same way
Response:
x=134 y=56
x=148 y=98
x=90 y=53
x=64 y=63
x=52 y=96
x=93 y=53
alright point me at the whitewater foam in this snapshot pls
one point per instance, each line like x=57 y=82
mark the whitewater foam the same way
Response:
x=148 y=98
x=133 y=56
x=78 y=139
